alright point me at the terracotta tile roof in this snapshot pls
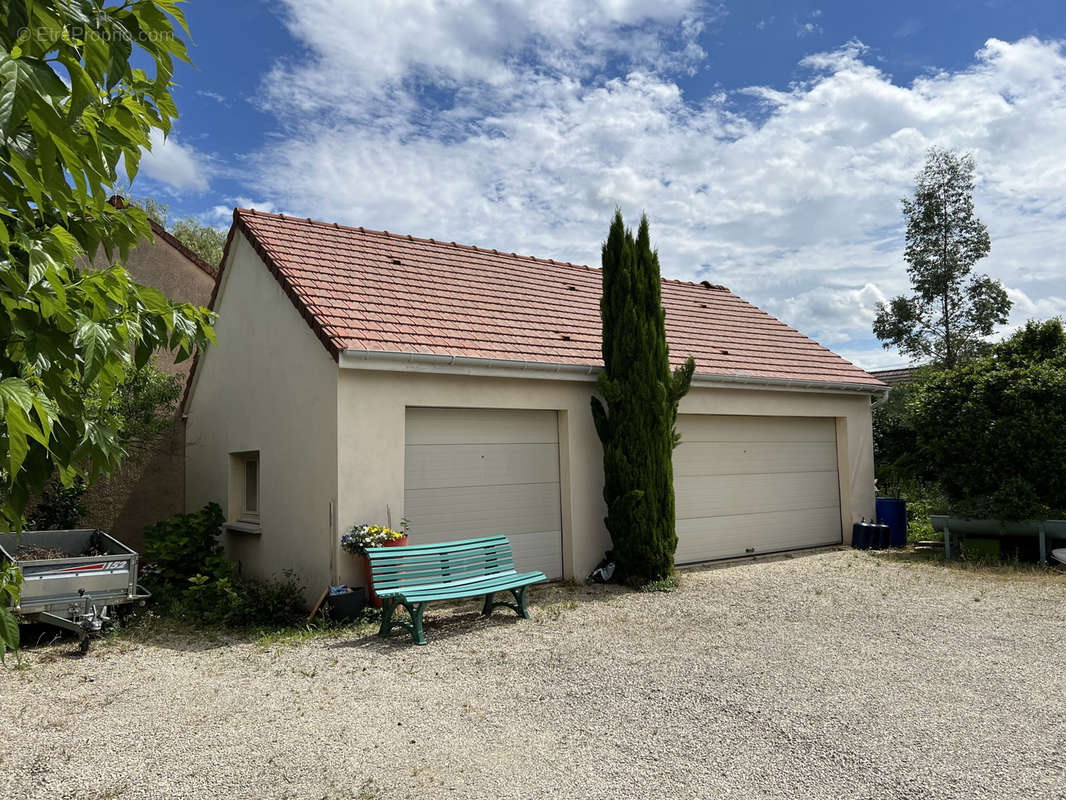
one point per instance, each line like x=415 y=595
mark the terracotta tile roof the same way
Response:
x=895 y=376
x=371 y=290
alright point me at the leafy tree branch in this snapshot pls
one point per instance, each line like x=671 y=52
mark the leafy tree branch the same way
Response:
x=73 y=107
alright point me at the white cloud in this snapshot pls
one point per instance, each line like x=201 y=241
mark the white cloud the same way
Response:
x=178 y=166
x=1026 y=308
x=389 y=57
x=829 y=313
x=224 y=213
x=527 y=147
x=218 y=98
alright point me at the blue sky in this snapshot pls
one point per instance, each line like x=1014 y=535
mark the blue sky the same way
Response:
x=768 y=142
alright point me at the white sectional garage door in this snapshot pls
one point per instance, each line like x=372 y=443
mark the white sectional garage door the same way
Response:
x=483 y=472
x=749 y=485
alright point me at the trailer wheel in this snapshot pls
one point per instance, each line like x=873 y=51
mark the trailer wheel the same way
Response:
x=83 y=645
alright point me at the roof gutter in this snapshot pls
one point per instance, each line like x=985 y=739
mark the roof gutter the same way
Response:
x=384 y=361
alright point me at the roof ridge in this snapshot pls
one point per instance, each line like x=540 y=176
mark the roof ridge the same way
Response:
x=409 y=237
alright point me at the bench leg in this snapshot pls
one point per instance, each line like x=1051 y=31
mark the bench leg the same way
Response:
x=520 y=601
x=388 y=606
x=416 y=622
x=518 y=606
x=414 y=627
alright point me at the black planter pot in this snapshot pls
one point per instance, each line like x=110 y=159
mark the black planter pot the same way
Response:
x=347 y=607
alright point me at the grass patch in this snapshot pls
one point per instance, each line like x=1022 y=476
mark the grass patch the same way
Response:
x=553 y=611
x=668 y=584
x=1001 y=569
x=320 y=629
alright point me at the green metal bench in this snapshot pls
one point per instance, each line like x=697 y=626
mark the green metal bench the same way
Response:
x=417 y=575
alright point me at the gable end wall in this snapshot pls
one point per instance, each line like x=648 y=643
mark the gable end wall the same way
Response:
x=267 y=386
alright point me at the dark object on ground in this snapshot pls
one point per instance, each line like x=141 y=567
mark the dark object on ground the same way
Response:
x=349 y=606
x=417 y=575
x=604 y=571
x=861 y=534
x=892 y=511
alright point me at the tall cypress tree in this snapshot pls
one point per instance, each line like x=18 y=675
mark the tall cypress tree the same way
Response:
x=637 y=424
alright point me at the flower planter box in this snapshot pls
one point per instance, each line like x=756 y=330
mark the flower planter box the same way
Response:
x=375 y=601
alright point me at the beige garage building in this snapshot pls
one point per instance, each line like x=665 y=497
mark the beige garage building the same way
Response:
x=361 y=374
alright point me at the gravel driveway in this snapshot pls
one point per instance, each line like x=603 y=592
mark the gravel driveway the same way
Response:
x=833 y=675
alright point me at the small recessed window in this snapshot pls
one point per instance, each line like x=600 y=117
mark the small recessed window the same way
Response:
x=251 y=490
x=244 y=493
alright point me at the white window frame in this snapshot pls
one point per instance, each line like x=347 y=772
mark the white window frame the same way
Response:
x=247 y=514
x=240 y=518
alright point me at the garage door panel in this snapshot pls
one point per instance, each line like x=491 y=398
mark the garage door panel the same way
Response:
x=734 y=458
x=814 y=528
x=481 y=426
x=708 y=539
x=486 y=472
x=729 y=428
x=746 y=484
x=727 y=537
x=434 y=466
x=731 y=495
x=437 y=515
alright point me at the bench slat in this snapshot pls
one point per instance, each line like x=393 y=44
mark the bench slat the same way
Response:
x=433 y=579
x=457 y=565
x=461 y=544
x=488 y=586
x=438 y=577
x=461 y=583
x=451 y=558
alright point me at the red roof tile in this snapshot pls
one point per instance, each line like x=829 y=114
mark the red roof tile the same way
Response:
x=360 y=289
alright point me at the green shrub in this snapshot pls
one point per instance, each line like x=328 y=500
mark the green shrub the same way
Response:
x=896 y=455
x=60 y=507
x=992 y=432
x=241 y=602
x=192 y=579
x=184 y=546
x=922 y=500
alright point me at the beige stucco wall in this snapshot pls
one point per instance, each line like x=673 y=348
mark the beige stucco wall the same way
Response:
x=371 y=412
x=150 y=486
x=268 y=385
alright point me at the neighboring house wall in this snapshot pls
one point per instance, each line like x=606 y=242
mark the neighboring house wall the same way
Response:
x=371 y=421
x=268 y=386
x=150 y=486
